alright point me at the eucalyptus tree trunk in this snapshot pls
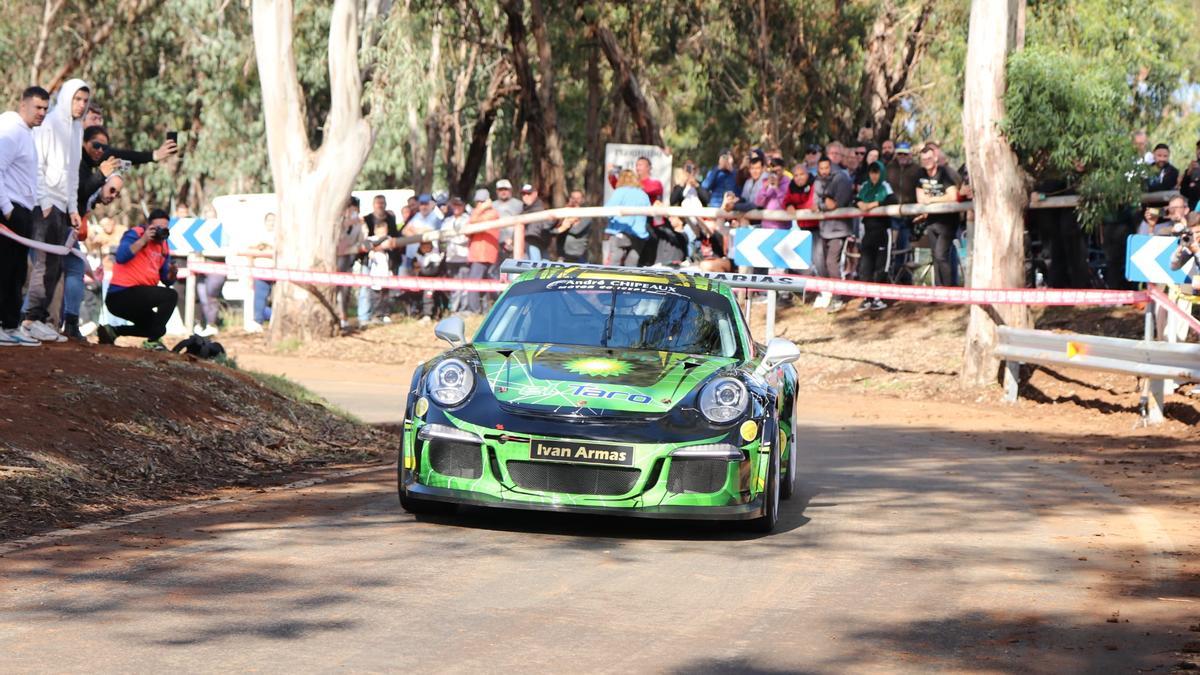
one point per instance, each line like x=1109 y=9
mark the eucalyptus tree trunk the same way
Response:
x=998 y=248
x=312 y=185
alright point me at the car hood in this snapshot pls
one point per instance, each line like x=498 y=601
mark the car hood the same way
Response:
x=571 y=379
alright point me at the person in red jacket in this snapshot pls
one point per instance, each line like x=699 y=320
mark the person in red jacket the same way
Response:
x=143 y=261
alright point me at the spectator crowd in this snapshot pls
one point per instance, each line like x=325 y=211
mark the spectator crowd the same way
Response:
x=58 y=166
x=928 y=248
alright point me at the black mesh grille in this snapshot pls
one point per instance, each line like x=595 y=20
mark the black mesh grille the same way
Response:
x=573 y=478
x=453 y=458
x=697 y=475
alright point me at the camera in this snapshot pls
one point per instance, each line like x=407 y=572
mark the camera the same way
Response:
x=1185 y=239
x=160 y=234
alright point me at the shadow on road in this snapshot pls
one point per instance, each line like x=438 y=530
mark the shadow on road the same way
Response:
x=929 y=507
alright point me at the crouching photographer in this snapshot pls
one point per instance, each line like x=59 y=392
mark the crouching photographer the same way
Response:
x=143 y=261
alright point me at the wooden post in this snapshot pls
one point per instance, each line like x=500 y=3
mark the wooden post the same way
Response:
x=189 y=297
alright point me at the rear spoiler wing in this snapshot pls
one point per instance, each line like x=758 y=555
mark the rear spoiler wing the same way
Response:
x=765 y=282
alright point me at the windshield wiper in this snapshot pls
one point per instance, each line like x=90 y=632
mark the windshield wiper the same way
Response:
x=608 y=324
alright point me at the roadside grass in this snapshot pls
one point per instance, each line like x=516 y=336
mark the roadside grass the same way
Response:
x=296 y=392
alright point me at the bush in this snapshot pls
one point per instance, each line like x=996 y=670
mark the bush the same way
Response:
x=1064 y=112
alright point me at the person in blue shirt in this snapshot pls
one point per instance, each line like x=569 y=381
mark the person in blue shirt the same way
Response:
x=720 y=179
x=628 y=236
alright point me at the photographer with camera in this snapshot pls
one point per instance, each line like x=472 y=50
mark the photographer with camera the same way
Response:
x=143 y=261
x=1189 y=250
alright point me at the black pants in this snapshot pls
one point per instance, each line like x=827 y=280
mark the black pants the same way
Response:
x=1067 y=246
x=14 y=263
x=872 y=254
x=1115 y=242
x=147 y=307
x=941 y=240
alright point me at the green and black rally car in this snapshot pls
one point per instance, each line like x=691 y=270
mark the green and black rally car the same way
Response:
x=606 y=390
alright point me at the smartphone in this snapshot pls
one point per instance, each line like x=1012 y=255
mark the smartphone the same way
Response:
x=173 y=136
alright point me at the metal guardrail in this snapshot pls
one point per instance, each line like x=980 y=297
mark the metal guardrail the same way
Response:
x=1155 y=362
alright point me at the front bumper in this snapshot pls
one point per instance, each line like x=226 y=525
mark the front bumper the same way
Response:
x=463 y=463
x=748 y=511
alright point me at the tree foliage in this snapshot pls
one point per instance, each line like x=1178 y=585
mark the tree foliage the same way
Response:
x=714 y=73
x=1095 y=70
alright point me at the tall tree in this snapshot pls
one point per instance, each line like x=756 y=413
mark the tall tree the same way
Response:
x=311 y=185
x=997 y=28
x=891 y=58
x=539 y=105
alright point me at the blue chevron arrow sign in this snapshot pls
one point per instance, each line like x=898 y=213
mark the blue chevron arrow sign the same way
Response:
x=1148 y=259
x=195 y=235
x=775 y=249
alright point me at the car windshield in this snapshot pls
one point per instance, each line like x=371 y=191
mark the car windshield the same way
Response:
x=614 y=313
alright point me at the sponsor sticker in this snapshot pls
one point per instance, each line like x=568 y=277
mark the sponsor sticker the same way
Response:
x=581 y=452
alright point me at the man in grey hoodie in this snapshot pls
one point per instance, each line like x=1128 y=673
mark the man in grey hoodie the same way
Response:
x=59 y=143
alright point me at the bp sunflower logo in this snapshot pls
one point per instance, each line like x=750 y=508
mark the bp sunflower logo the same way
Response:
x=598 y=367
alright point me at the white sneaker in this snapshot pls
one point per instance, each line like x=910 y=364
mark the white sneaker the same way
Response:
x=17 y=337
x=254 y=328
x=42 y=331
x=208 y=331
x=88 y=328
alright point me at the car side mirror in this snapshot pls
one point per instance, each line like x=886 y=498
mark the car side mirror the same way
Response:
x=452 y=330
x=779 y=352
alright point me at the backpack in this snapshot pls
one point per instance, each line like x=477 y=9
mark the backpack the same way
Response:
x=200 y=347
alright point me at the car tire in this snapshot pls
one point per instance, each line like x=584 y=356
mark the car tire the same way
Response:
x=788 y=486
x=770 y=518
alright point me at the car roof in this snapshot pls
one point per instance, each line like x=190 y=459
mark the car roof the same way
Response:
x=646 y=275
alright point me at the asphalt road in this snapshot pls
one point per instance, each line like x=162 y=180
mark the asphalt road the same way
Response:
x=910 y=549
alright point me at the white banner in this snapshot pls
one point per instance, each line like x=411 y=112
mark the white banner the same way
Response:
x=619 y=156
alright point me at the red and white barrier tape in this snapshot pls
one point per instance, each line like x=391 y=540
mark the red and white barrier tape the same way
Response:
x=974 y=296
x=347 y=279
x=1163 y=300
x=55 y=249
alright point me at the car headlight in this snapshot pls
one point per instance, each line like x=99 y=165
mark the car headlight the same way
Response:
x=724 y=400
x=450 y=382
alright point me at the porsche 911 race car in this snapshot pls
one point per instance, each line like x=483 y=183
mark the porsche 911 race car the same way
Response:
x=606 y=390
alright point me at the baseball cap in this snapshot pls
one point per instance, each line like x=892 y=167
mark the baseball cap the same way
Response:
x=456 y=200
x=812 y=147
x=903 y=149
x=424 y=198
x=440 y=198
x=503 y=184
x=526 y=188
x=481 y=195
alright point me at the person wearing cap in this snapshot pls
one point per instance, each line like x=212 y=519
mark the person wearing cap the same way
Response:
x=537 y=233
x=902 y=176
x=812 y=157
x=458 y=265
x=506 y=205
x=875 y=192
x=483 y=248
x=139 y=290
x=427 y=219
x=720 y=179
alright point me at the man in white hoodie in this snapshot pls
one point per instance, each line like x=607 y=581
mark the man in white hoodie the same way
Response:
x=18 y=201
x=59 y=143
